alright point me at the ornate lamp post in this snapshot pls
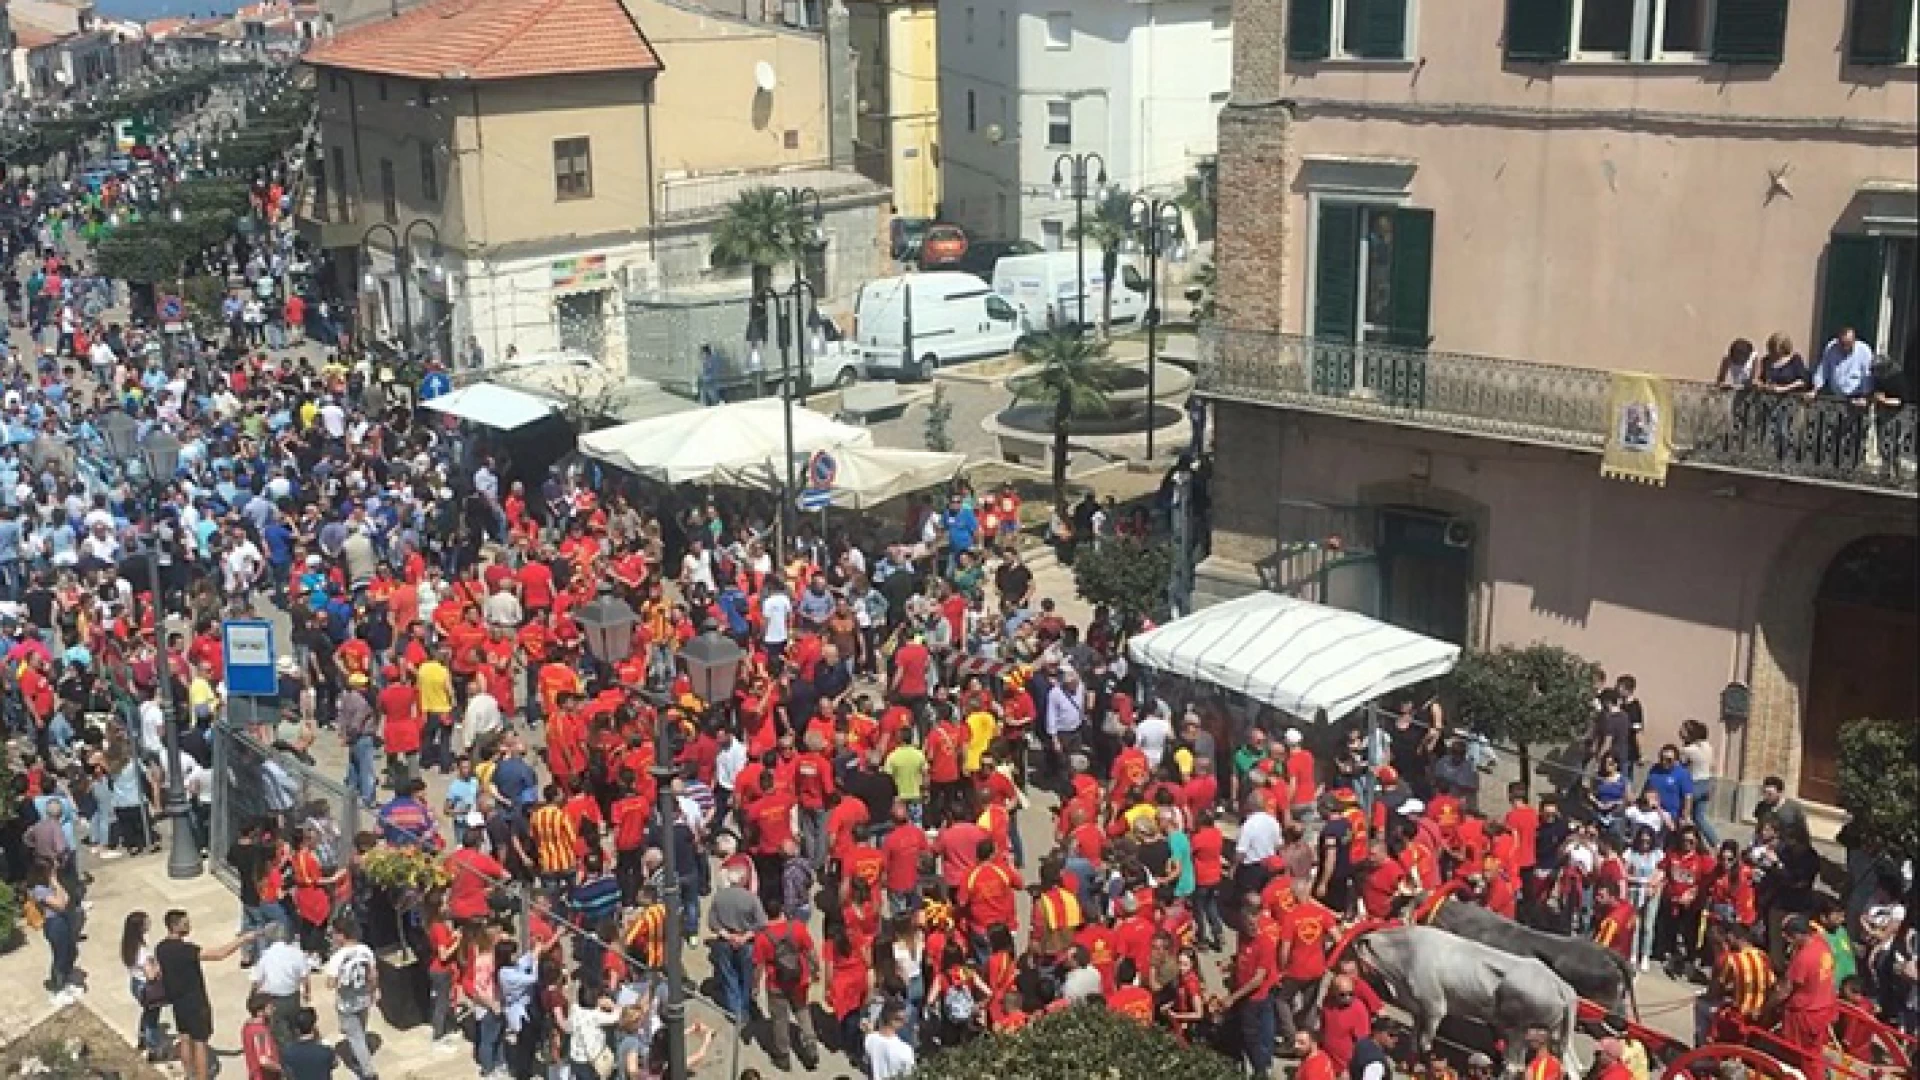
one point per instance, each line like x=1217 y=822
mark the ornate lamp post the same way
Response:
x=713 y=664
x=1077 y=169
x=1157 y=221
x=160 y=453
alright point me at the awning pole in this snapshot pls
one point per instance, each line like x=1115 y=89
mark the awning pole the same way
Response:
x=1367 y=779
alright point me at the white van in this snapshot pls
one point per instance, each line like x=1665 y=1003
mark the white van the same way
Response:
x=1045 y=287
x=954 y=316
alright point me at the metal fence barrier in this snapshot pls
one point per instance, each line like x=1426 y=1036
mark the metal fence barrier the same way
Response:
x=253 y=781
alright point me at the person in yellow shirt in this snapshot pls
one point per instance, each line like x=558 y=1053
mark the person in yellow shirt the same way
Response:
x=982 y=727
x=435 y=683
x=309 y=412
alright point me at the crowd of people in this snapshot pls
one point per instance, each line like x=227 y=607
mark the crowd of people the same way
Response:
x=846 y=826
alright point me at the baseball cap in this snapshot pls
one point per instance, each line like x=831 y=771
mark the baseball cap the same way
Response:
x=1479 y=1060
x=1413 y=808
x=1293 y=736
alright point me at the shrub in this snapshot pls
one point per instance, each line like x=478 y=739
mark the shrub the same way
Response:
x=1880 y=786
x=1085 y=1041
x=1128 y=575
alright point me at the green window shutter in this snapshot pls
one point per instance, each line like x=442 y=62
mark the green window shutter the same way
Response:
x=1855 y=269
x=1539 y=31
x=1310 y=29
x=1877 y=32
x=1336 y=273
x=1411 y=292
x=1379 y=29
x=1749 y=31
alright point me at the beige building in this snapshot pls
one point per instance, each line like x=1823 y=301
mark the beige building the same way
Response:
x=1442 y=233
x=541 y=165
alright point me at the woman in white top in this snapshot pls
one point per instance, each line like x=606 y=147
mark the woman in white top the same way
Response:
x=1646 y=877
x=1737 y=368
x=142 y=969
x=1696 y=753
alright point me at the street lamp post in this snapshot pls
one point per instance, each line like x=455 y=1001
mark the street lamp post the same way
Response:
x=1158 y=223
x=801 y=198
x=1077 y=167
x=402 y=244
x=160 y=453
x=713 y=664
x=789 y=306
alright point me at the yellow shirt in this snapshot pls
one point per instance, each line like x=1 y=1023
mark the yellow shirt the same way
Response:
x=1183 y=758
x=436 y=687
x=1138 y=811
x=483 y=773
x=981 y=728
x=308 y=412
x=200 y=696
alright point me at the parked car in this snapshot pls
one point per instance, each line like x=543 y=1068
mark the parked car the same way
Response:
x=943 y=246
x=904 y=235
x=1045 y=288
x=906 y=326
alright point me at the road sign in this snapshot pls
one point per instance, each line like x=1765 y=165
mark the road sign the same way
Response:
x=246 y=648
x=814 y=499
x=821 y=469
x=171 y=310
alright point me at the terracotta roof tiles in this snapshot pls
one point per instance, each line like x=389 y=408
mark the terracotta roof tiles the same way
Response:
x=494 y=39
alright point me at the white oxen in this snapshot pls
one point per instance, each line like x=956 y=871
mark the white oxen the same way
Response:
x=1434 y=974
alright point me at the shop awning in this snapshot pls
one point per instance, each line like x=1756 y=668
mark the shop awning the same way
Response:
x=1298 y=656
x=493 y=405
x=862 y=476
x=700 y=445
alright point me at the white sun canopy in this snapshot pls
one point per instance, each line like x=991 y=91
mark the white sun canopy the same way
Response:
x=699 y=445
x=1296 y=655
x=863 y=476
x=493 y=405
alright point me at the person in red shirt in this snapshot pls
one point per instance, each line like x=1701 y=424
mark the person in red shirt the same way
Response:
x=812 y=787
x=1383 y=881
x=787 y=994
x=1524 y=822
x=1315 y=1063
x=1305 y=934
x=401 y=725
x=849 y=979
x=902 y=851
x=946 y=744
x=1129 y=998
x=1250 y=984
x=772 y=820
x=475 y=874
x=990 y=893
x=908 y=685
x=1208 y=845
x=864 y=864
x=1806 y=995
x=1133 y=933
x=1615 y=925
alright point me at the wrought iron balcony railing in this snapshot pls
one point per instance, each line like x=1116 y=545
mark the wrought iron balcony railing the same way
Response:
x=1825 y=441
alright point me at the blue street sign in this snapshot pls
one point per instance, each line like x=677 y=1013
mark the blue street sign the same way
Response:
x=814 y=499
x=246 y=647
x=436 y=384
x=171 y=309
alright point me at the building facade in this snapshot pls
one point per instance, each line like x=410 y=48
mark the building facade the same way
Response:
x=519 y=183
x=896 y=53
x=1443 y=238
x=1024 y=81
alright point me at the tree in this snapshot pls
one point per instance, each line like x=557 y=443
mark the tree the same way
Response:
x=1084 y=1041
x=1108 y=227
x=1206 y=285
x=939 y=415
x=1200 y=196
x=1521 y=696
x=1880 y=786
x=762 y=229
x=1128 y=575
x=1072 y=374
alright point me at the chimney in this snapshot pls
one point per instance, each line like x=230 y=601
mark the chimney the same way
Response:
x=1254 y=230
x=840 y=88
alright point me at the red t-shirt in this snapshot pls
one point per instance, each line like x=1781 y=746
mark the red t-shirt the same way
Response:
x=812 y=780
x=902 y=850
x=1524 y=822
x=763 y=952
x=1256 y=954
x=1341 y=1026
x=911 y=662
x=772 y=817
x=959 y=846
x=991 y=889
x=630 y=816
x=475 y=873
x=439 y=937
x=536 y=586
x=943 y=754
x=260 y=1047
x=400 y=709
x=1207 y=844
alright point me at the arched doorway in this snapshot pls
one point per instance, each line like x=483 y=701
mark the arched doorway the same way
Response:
x=1866 y=632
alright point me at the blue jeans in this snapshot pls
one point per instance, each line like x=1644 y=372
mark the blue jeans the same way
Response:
x=489 y=1028
x=1258 y=1025
x=362 y=774
x=64 y=946
x=1206 y=913
x=1702 y=797
x=150 y=1039
x=733 y=967
x=259 y=916
x=1013 y=840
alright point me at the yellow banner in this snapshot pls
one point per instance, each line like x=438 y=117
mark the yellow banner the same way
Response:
x=1639 y=429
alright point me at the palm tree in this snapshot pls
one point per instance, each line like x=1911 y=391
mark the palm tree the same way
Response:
x=1071 y=373
x=1108 y=227
x=1204 y=288
x=762 y=229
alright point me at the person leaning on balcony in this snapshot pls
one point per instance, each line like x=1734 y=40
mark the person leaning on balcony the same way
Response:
x=1783 y=371
x=1845 y=369
x=1737 y=368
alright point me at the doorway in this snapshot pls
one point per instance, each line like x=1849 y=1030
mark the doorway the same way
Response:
x=1866 y=631
x=1426 y=571
x=582 y=322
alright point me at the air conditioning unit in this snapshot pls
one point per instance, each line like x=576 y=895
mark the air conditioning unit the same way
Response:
x=1459 y=533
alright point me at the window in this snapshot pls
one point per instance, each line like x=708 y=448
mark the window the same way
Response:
x=1053 y=234
x=1003 y=28
x=429 y=178
x=340 y=182
x=1059 y=30
x=426 y=95
x=1219 y=97
x=1882 y=33
x=317 y=171
x=381 y=85
x=1059 y=123
x=1722 y=31
x=999 y=310
x=969 y=26
x=972 y=117
x=1372 y=278
x=572 y=169
x=389 y=191
x=1347 y=30
x=1869 y=286
x=1222 y=21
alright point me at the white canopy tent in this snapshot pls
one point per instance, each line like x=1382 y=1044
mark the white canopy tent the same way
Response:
x=1296 y=655
x=493 y=405
x=864 y=476
x=700 y=445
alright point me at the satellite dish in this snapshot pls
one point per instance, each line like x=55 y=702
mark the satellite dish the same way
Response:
x=763 y=77
x=994 y=134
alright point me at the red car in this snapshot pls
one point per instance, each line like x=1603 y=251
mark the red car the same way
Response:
x=942 y=246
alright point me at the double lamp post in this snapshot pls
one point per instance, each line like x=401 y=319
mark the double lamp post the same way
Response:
x=159 y=452
x=713 y=662
x=1077 y=170
x=791 y=308
x=1157 y=224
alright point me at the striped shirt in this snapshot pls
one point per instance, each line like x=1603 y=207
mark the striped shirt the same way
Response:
x=1745 y=978
x=554 y=838
x=646 y=937
x=594 y=899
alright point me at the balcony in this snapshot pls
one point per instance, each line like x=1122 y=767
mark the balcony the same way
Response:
x=1824 y=442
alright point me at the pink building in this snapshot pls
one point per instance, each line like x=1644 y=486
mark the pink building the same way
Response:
x=1445 y=226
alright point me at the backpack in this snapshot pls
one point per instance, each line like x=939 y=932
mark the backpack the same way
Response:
x=789 y=963
x=958 y=1004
